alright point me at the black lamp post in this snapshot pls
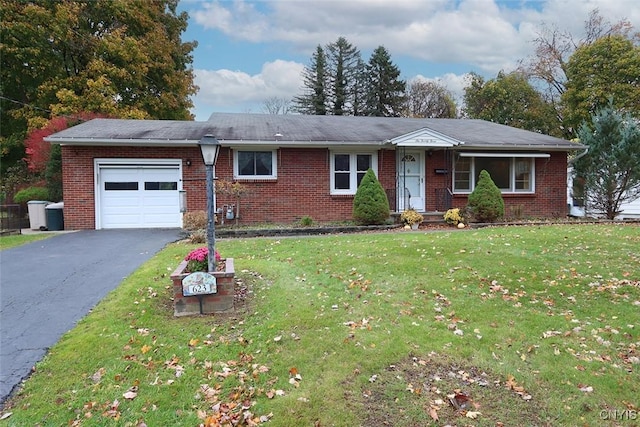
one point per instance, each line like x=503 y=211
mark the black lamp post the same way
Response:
x=210 y=147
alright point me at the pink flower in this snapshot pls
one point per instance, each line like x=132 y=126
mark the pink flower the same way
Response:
x=199 y=259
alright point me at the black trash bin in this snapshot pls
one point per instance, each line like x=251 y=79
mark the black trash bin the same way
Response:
x=55 y=218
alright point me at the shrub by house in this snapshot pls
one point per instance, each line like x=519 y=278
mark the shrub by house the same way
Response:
x=485 y=202
x=370 y=204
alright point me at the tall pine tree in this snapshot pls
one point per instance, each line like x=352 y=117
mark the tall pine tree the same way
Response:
x=343 y=62
x=385 y=91
x=314 y=99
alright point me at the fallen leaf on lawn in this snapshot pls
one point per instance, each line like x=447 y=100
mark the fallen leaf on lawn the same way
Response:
x=273 y=393
x=130 y=395
x=145 y=349
x=293 y=371
x=278 y=338
x=265 y=418
x=193 y=342
x=585 y=388
x=472 y=414
x=6 y=415
x=97 y=376
x=459 y=400
x=293 y=382
x=433 y=413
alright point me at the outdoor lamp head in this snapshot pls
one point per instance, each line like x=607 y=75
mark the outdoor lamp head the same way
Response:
x=210 y=147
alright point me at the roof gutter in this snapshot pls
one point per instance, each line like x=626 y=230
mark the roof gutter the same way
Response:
x=584 y=153
x=194 y=143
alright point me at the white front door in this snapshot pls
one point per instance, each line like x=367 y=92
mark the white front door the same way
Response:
x=411 y=180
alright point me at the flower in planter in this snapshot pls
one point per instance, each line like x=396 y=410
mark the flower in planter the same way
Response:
x=198 y=259
x=411 y=216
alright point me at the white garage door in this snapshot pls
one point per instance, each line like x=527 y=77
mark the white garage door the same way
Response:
x=141 y=196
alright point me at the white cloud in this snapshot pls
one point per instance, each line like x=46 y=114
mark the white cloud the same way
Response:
x=227 y=90
x=488 y=35
x=480 y=35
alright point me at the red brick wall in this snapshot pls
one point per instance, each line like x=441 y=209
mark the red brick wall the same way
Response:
x=550 y=198
x=78 y=176
x=302 y=187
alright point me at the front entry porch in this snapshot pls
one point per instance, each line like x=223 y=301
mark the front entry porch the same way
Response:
x=423 y=173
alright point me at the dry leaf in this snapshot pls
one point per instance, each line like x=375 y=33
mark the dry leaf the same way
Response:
x=97 y=376
x=131 y=394
x=472 y=414
x=585 y=388
x=433 y=413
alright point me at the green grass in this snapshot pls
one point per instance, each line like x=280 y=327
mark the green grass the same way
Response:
x=537 y=325
x=11 y=241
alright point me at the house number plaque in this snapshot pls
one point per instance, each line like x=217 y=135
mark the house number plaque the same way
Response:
x=199 y=283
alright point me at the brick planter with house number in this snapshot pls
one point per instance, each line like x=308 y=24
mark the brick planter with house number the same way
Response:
x=202 y=297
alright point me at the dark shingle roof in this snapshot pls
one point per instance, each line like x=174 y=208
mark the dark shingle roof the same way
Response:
x=233 y=128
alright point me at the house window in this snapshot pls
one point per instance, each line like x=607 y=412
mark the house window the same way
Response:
x=510 y=174
x=255 y=164
x=348 y=169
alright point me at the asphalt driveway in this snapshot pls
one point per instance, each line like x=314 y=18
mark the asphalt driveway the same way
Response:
x=48 y=285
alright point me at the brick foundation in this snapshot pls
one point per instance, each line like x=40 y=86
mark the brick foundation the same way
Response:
x=220 y=302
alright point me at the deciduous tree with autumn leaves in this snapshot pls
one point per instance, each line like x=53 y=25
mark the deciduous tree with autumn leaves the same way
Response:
x=65 y=60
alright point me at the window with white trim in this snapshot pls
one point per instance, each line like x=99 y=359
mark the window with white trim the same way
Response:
x=250 y=164
x=348 y=169
x=511 y=174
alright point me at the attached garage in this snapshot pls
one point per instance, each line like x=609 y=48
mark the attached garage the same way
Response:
x=134 y=193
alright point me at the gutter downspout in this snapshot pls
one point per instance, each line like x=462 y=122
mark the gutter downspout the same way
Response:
x=584 y=153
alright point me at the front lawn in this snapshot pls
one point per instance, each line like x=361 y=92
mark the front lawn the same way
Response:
x=532 y=325
x=13 y=240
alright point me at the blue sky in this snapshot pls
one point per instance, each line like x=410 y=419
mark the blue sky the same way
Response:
x=249 y=51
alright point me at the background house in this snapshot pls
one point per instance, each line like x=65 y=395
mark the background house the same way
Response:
x=130 y=173
x=628 y=210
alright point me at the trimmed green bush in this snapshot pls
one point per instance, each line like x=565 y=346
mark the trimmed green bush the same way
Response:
x=53 y=173
x=306 y=221
x=485 y=202
x=31 y=193
x=370 y=204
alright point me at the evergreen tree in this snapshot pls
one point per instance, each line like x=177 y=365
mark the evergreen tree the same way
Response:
x=344 y=59
x=611 y=167
x=385 y=91
x=314 y=100
x=370 y=204
x=485 y=202
x=359 y=94
x=53 y=173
